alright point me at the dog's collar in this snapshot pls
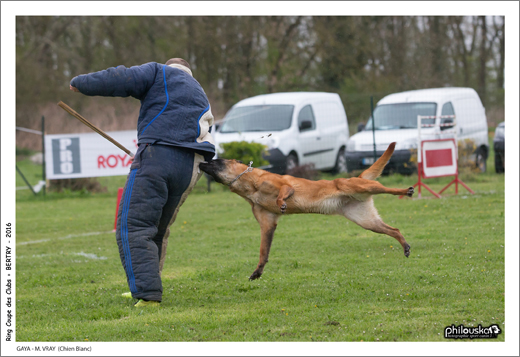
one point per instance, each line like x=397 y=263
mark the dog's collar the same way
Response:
x=249 y=169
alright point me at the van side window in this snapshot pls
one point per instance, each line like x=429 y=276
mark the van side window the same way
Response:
x=305 y=117
x=447 y=109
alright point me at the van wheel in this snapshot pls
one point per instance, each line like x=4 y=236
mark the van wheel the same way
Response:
x=291 y=162
x=480 y=160
x=341 y=162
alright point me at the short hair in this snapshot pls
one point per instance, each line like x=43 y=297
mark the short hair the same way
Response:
x=178 y=61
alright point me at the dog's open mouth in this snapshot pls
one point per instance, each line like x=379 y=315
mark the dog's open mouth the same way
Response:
x=203 y=165
x=213 y=168
x=207 y=166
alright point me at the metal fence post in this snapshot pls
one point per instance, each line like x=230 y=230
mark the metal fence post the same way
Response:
x=373 y=124
x=43 y=155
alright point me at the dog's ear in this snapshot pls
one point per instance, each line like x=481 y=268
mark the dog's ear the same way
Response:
x=240 y=162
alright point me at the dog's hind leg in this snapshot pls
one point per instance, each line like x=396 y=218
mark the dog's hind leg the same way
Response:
x=365 y=215
x=268 y=222
x=361 y=187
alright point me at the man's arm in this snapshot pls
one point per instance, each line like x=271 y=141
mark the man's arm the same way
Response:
x=116 y=81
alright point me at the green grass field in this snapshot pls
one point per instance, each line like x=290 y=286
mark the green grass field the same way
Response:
x=327 y=279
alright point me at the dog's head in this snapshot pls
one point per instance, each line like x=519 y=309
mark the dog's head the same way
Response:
x=222 y=170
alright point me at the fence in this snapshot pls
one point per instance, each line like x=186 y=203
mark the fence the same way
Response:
x=43 y=183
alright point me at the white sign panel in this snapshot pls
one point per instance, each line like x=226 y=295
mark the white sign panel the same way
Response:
x=439 y=158
x=88 y=155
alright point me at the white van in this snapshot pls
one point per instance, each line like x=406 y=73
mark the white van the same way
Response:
x=396 y=120
x=298 y=128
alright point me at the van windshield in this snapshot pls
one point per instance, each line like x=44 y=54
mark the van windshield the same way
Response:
x=401 y=115
x=258 y=118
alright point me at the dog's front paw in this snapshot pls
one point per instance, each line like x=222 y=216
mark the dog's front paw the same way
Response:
x=256 y=274
x=283 y=207
x=410 y=192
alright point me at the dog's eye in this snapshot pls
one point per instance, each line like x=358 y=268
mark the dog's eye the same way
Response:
x=240 y=162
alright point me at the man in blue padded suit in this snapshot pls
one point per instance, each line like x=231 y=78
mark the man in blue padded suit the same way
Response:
x=173 y=138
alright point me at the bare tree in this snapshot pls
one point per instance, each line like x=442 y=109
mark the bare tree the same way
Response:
x=465 y=52
x=235 y=57
x=498 y=26
x=483 y=55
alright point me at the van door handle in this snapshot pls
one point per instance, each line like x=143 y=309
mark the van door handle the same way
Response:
x=318 y=138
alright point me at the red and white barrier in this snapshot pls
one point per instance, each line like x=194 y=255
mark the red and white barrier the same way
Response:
x=437 y=158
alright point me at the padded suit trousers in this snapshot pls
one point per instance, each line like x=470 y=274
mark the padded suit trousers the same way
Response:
x=160 y=179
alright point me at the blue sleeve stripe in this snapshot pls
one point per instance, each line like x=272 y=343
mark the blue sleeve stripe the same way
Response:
x=167 y=100
x=198 y=123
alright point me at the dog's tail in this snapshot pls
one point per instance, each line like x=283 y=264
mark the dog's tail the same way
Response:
x=375 y=170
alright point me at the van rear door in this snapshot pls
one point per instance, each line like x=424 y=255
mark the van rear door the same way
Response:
x=470 y=117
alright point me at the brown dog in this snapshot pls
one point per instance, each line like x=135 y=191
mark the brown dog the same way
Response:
x=272 y=195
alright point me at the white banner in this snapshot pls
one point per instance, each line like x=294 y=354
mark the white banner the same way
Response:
x=88 y=155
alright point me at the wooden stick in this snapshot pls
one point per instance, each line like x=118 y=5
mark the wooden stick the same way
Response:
x=93 y=127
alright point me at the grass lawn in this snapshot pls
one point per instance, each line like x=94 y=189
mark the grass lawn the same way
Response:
x=327 y=279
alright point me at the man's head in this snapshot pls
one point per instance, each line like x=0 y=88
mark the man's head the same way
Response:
x=180 y=64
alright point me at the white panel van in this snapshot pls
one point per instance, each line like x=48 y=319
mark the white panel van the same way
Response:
x=298 y=128
x=396 y=120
